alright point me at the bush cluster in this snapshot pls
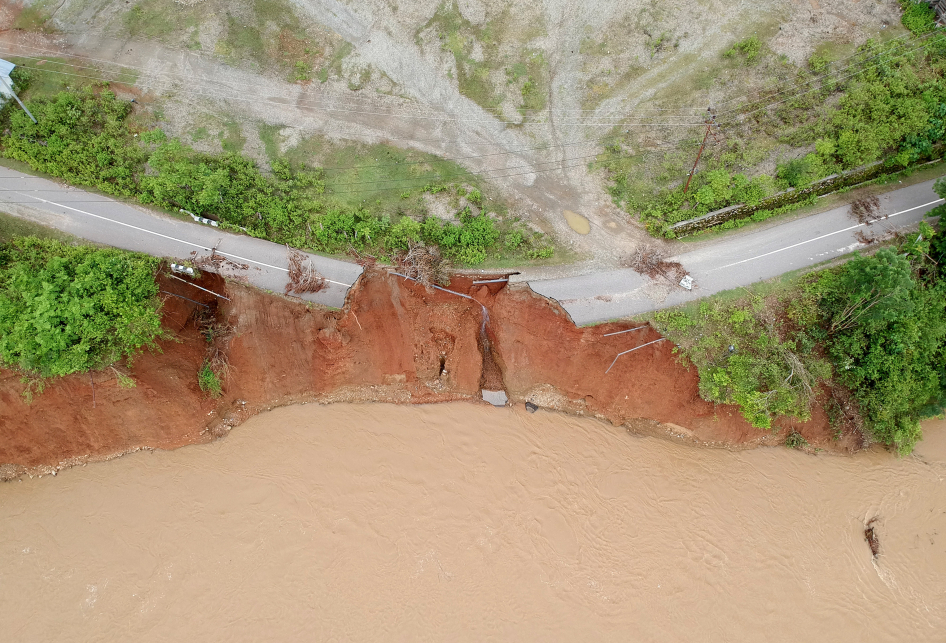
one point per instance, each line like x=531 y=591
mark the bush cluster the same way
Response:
x=875 y=326
x=84 y=137
x=892 y=110
x=747 y=358
x=68 y=309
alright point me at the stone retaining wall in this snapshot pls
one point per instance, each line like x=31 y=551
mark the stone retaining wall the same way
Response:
x=824 y=186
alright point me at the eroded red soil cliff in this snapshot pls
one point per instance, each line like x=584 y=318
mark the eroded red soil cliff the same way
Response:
x=395 y=342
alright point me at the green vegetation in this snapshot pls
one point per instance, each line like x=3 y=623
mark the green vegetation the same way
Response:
x=476 y=53
x=748 y=353
x=35 y=16
x=81 y=138
x=257 y=33
x=209 y=381
x=69 y=309
x=918 y=17
x=333 y=64
x=884 y=327
x=88 y=138
x=887 y=103
x=149 y=19
x=749 y=49
x=874 y=327
x=534 y=86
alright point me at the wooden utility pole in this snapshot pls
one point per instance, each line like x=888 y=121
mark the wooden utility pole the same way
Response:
x=710 y=122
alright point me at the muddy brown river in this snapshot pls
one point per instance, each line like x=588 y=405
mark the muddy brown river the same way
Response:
x=465 y=523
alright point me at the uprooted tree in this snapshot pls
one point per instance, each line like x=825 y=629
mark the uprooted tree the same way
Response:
x=424 y=264
x=303 y=277
x=647 y=260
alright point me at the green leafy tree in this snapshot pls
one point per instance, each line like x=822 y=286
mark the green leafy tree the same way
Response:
x=871 y=289
x=68 y=309
x=887 y=340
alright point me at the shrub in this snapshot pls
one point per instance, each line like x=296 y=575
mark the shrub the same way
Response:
x=403 y=233
x=80 y=137
x=545 y=252
x=818 y=64
x=918 y=17
x=750 y=48
x=513 y=240
x=209 y=381
x=795 y=172
x=68 y=309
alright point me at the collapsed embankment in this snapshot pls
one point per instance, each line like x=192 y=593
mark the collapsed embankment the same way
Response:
x=395 y=341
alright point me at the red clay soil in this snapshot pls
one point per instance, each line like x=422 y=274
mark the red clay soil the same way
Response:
x=396 y=341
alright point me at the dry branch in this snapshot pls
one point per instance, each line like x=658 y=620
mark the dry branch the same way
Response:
x=867 y=210
x=649 y=261
x=424 y=264
x=215 y=262
x=303 y=277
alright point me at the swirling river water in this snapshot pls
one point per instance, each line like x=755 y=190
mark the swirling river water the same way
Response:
x=457 y=522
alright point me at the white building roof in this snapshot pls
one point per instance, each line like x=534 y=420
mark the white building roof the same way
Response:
x=5 y=67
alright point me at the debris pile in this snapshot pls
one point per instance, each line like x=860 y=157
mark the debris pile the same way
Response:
x=871 y=536
x=303 y=277
x=424 y=264
x=867 y=210
x=649 y=261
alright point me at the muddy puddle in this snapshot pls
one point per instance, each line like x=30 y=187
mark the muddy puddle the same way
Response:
x=457 y=522
x=576 y=222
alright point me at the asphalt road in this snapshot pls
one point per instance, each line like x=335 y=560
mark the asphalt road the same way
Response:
x=730 y=262
x=736 y=260
x=106 y=221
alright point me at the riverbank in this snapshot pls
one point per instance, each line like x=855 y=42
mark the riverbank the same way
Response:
x=395 y=342
x=455 y=522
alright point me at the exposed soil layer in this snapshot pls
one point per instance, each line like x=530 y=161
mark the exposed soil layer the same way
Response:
x=396 y=341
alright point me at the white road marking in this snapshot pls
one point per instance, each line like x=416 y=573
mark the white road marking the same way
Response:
x=824 y=236
x=158 y=234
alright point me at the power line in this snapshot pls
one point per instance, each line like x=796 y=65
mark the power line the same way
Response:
x=527 y=165
x=829 y=74
x=317 y=105
x=908 y=36
x=350 y=98
x=794 y=96
x=384 y=137
x=473 y=156
x=506 y=153
x=422 y=181
x=513 y=152
x=448 y=177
